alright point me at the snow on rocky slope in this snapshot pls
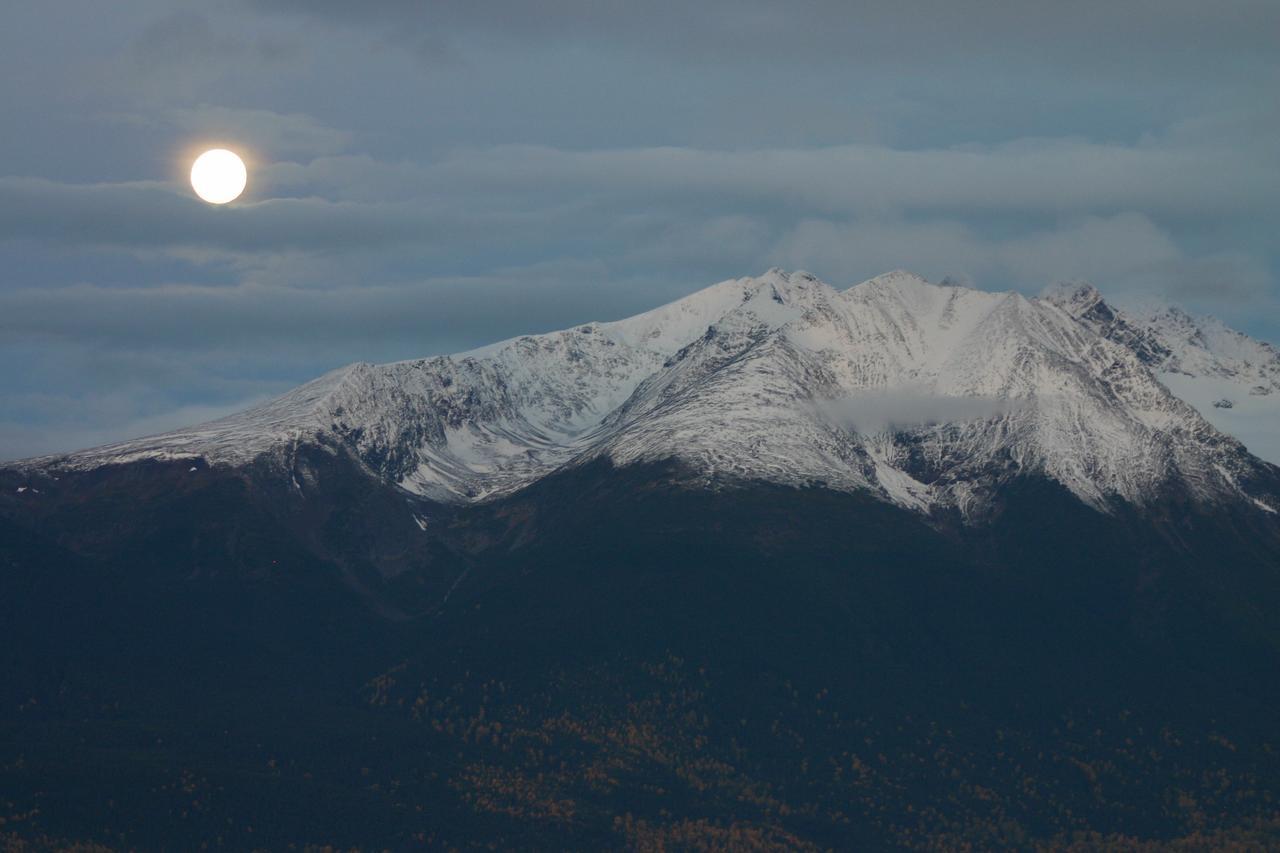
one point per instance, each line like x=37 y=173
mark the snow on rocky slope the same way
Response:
x=924 y=395
x=1230 y=378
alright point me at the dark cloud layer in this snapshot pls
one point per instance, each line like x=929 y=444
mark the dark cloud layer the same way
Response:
x=907 y=31
x=427 y=177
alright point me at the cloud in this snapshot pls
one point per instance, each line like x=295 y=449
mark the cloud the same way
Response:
x=378 y=232
x=1036 y=176
x=1170 y=176
x=877 y=411
x=80 y=424
x=149 y=215
x=184 y=50
x=507 y=190
x=1124 y=253
x=420 y=318
x=284 y=135
x=825 y=31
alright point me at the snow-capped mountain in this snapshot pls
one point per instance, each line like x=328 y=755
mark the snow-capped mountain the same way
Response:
x=1230 y=378
x=926 y=396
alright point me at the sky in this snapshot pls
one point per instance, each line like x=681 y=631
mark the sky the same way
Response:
x=426 y=177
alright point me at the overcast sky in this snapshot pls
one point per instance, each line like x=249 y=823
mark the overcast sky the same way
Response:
x=430 y=176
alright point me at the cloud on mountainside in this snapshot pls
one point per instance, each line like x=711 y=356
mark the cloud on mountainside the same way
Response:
x=877 y=411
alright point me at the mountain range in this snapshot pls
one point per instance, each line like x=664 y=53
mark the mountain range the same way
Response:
x=926 y=396
x=906 y=564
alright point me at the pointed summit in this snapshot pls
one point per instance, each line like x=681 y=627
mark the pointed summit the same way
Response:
x=1077 y=298
x=896 y=279
x=1082 y=301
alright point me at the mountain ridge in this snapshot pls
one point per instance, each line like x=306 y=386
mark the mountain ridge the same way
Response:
x=746 y=380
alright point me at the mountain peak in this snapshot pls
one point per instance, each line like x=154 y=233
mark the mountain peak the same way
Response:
x=897 y=279
x=733 y=381
x=1077 y=298
x=788 y=275
x=788 y=280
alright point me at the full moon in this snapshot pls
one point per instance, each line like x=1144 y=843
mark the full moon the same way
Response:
x=218 y=176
